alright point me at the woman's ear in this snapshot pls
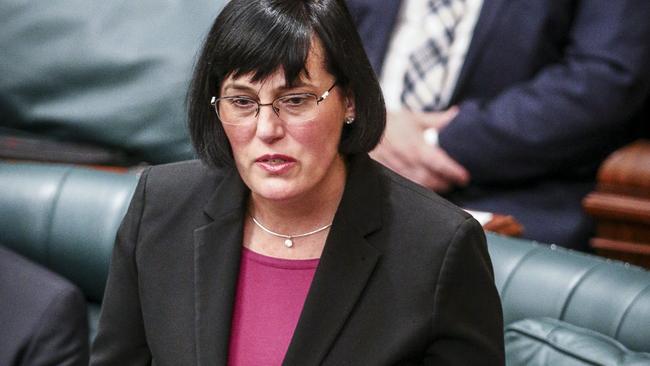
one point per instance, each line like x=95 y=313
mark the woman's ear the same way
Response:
x=350 y=110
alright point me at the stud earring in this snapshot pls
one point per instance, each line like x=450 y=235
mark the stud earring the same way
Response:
x=349 y=120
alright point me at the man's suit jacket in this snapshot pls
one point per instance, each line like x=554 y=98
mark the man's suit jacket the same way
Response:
x=43 y=318
x=404 y=278
x=547 y=91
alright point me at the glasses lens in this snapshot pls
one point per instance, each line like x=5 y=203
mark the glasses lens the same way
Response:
x=236 y=110
x=292 y=109
x=296 y=108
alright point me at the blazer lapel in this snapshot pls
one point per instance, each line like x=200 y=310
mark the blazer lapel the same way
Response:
x=489 y=13
x=345 y=267
x=217 y=253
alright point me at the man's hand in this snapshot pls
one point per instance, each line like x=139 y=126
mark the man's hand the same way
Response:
x=404 y=150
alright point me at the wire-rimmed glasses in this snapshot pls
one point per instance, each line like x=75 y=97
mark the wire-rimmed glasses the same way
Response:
x=294 y=109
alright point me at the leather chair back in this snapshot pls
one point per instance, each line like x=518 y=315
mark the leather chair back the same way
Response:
x=113 y=74
x=65 y=218
x=536 y=280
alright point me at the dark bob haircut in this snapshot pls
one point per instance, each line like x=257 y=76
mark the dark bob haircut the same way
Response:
x=263 y=36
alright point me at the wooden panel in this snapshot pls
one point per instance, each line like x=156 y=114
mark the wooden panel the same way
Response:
x=621 y=230
x=634 y=253
x=627 y=171
x=620 y=205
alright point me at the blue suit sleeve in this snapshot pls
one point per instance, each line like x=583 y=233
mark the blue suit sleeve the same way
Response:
x=62 y=335
x=572 y=113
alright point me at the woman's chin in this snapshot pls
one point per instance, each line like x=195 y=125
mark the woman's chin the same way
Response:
x=275 y=191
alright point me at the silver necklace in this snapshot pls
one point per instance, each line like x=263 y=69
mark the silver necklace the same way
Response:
x=288 y=239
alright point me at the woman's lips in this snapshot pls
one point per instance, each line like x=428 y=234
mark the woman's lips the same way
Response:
x=275 y=163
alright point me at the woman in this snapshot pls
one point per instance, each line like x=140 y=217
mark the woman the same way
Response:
x=286 y=243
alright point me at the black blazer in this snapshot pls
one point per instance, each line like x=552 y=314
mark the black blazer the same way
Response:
x=404 y=278
x=42 y=316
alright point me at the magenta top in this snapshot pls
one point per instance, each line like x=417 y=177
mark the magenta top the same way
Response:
x=270 y=295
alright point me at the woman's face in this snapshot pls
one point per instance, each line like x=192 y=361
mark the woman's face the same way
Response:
x=282 y=161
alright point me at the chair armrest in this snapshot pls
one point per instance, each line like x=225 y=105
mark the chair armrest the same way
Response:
x=627 y=171
x=620 y=205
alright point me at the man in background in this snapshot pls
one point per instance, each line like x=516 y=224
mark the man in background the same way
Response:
x=43 y=316
x=510 y=106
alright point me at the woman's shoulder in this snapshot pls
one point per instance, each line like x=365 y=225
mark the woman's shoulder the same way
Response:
x=181 y=174
x=188 y=168
x=180 y=180
x=424 y=204
x=423 y=219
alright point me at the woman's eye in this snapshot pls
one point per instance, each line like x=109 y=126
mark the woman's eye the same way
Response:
x=242 y=102
x=294 y=101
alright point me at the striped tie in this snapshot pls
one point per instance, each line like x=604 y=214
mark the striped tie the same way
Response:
x=428 y=65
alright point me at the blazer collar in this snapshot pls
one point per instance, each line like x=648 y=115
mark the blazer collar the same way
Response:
x=484 y=25
x=217 y=254
x=345 y=266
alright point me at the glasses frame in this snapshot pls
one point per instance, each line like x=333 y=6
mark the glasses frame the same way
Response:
x=214 y=101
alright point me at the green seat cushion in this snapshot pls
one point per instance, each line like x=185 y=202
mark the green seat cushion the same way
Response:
x=546 y=341
x=108 y=73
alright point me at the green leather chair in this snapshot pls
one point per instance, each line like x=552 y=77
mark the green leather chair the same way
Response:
x=563 y=307
x=65 y=218
x=560 y=307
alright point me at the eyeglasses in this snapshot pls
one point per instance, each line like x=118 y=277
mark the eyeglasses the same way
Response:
x=293 y=109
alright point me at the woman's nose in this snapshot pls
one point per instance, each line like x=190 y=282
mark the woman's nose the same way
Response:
x=269 y=126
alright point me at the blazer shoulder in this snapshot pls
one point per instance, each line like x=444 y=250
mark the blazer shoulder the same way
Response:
x=423 y=218
x=181 y=178
x=420 y=203
x=182 y=172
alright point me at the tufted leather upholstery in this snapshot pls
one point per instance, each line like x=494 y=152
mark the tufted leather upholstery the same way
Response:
x=537 y=280
x=66 y=218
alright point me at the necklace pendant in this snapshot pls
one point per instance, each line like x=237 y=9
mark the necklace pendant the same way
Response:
x=288 y=243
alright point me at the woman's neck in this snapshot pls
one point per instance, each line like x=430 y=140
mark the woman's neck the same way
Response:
x=303 y=213
x=309 y=211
